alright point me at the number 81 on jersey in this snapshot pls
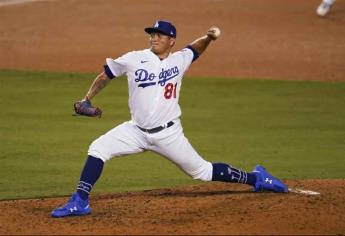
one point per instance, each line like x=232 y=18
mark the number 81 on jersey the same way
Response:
x=170 y=90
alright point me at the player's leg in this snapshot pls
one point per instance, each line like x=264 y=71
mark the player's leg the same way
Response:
x=122 y=140
x=172 y=144
x=324 y=7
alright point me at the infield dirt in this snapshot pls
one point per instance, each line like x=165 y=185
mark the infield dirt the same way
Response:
x=213 y=208
x=266 y=39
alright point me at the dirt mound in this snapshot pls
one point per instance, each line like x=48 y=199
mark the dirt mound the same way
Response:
x=212 y=208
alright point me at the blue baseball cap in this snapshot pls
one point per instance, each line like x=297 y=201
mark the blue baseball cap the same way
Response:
x=163 y=27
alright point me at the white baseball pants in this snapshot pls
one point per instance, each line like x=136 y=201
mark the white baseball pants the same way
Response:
x=171 y=143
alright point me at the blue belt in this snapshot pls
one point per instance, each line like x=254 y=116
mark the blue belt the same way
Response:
x=157 y=129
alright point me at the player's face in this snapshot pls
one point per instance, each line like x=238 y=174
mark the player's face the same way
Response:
x=160 y=43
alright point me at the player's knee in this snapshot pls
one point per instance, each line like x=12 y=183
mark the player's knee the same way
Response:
x=96 y=150
x=204 y=173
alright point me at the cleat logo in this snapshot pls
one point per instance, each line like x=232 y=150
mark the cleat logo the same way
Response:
x=73 y=209
x=267 y=180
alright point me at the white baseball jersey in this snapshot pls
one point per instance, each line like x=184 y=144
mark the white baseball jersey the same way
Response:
x=154 y=84
x=154 y=87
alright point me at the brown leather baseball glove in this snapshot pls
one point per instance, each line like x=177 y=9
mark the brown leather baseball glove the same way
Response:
x=85 y=108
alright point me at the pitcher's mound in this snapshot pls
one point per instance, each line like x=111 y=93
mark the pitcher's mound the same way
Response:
x=212 y=208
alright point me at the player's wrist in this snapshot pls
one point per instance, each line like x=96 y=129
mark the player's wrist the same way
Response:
x=210 y=38
x=86 y=98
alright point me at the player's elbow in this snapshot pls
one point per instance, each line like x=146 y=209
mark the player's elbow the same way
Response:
x=104 y=76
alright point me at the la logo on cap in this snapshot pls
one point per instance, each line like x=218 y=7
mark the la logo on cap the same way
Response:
x=163 y=27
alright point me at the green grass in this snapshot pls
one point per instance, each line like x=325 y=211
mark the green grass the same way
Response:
x=295 y=129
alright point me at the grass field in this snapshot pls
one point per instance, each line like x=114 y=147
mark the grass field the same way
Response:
x=295 y=129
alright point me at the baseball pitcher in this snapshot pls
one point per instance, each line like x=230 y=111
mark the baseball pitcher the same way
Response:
x=154 y=81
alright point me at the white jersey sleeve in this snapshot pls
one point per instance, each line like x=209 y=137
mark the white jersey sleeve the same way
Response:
x=117 y=66
x=188 y=55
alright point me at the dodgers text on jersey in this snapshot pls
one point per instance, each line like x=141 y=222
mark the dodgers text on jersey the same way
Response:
x=145 y=78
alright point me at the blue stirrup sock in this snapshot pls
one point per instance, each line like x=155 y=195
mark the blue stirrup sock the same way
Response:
x=91 y=173
x=225 y=173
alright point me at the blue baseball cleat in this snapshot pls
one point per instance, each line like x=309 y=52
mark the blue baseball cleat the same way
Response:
x=74 y=207
x=265 y=181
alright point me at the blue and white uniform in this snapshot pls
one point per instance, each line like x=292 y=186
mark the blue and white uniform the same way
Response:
x=154 y=90
x=154 y=87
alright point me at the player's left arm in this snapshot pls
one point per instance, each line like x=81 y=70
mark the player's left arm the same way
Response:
x=98 y=84
x=84 y=106
x=200 y=44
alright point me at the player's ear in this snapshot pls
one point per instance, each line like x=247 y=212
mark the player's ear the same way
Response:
x=172 y=42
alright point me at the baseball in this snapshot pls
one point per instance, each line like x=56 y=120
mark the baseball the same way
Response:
x=214 y=32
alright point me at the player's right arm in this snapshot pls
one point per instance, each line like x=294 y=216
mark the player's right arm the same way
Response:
x=200 y=44
x=98 y=84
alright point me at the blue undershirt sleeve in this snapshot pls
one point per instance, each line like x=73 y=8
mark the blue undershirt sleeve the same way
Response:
x=108 y=72
x=195 y=53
